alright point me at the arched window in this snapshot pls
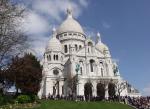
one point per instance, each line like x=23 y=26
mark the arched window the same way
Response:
x=49 y=57
x=90 y=44
x=80 y=46
x=76 y=47
x=101 y=64
x=101 y=68
x=92 y=65
x=65 y=34
x=65 y=48
x=56 y=57
x=54 y=90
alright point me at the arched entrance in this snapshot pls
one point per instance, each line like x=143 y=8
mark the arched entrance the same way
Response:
x=111 y=90
x=88 y=91
x=100 y=91
x=56 y=89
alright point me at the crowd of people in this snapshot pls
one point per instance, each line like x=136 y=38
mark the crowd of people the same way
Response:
x=81 y=98
x=140 y=102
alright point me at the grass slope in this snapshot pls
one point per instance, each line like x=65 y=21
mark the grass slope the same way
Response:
x=81 y=105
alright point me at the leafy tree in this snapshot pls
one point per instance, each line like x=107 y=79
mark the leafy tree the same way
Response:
x=12 y=39
x=1 y=81
x=120 y=86
x=25 y=73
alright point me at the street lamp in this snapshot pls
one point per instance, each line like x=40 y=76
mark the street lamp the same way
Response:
x=77 y=81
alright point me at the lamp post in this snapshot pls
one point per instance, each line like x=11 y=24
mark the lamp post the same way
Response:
x=77 y=81
x=57 y=83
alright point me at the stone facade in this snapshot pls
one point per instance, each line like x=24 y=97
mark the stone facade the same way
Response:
x=73 y=64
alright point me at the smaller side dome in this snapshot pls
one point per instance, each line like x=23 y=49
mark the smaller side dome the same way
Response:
x=54 y=44
x=101 y=46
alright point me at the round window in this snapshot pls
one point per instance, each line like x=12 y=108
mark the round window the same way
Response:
x=55 y=72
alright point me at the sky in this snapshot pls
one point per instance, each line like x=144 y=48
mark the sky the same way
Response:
x=124 y=26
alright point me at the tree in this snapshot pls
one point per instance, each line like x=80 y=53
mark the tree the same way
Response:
x=1 y=81
x=72 y=84
x=25 y=73
x=12 y=38
x=120 y=86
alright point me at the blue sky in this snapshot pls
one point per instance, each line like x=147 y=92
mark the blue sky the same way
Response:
x=124 y=26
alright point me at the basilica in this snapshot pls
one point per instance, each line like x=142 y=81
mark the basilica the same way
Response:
x=75 y=65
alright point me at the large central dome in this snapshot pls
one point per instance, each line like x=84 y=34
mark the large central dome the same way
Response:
x=70 y=25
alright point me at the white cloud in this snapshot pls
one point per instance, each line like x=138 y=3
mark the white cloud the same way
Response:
x=55 y=8
x=39 y=44
x=106 y=25
x=42 y=15
x=35 y=24
x=90 y=31
x=84 y=2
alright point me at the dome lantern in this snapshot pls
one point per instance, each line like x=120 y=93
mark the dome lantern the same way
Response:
x=54 y=33
x=69 y=12
x=98 y=37
x=70 y=24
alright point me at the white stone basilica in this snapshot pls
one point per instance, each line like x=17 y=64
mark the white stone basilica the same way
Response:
x=73 y=64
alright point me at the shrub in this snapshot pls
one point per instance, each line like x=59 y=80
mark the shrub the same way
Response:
x=34 y=98
x=23 y=99
x=1 y=100
x=5 y=99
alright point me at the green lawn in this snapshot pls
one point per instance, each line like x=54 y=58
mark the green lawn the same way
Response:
x=81 y=105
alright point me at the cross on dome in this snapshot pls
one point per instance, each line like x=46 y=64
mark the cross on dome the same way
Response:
x=69 y=11
x=54 y=31
x=99 y=37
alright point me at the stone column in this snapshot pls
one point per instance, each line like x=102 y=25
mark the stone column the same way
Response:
x=81 y=87
x=60 y=88
x=94 y=89
x=65 y=88
x=106 y=91
x=78 y=85
x=48 y=87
